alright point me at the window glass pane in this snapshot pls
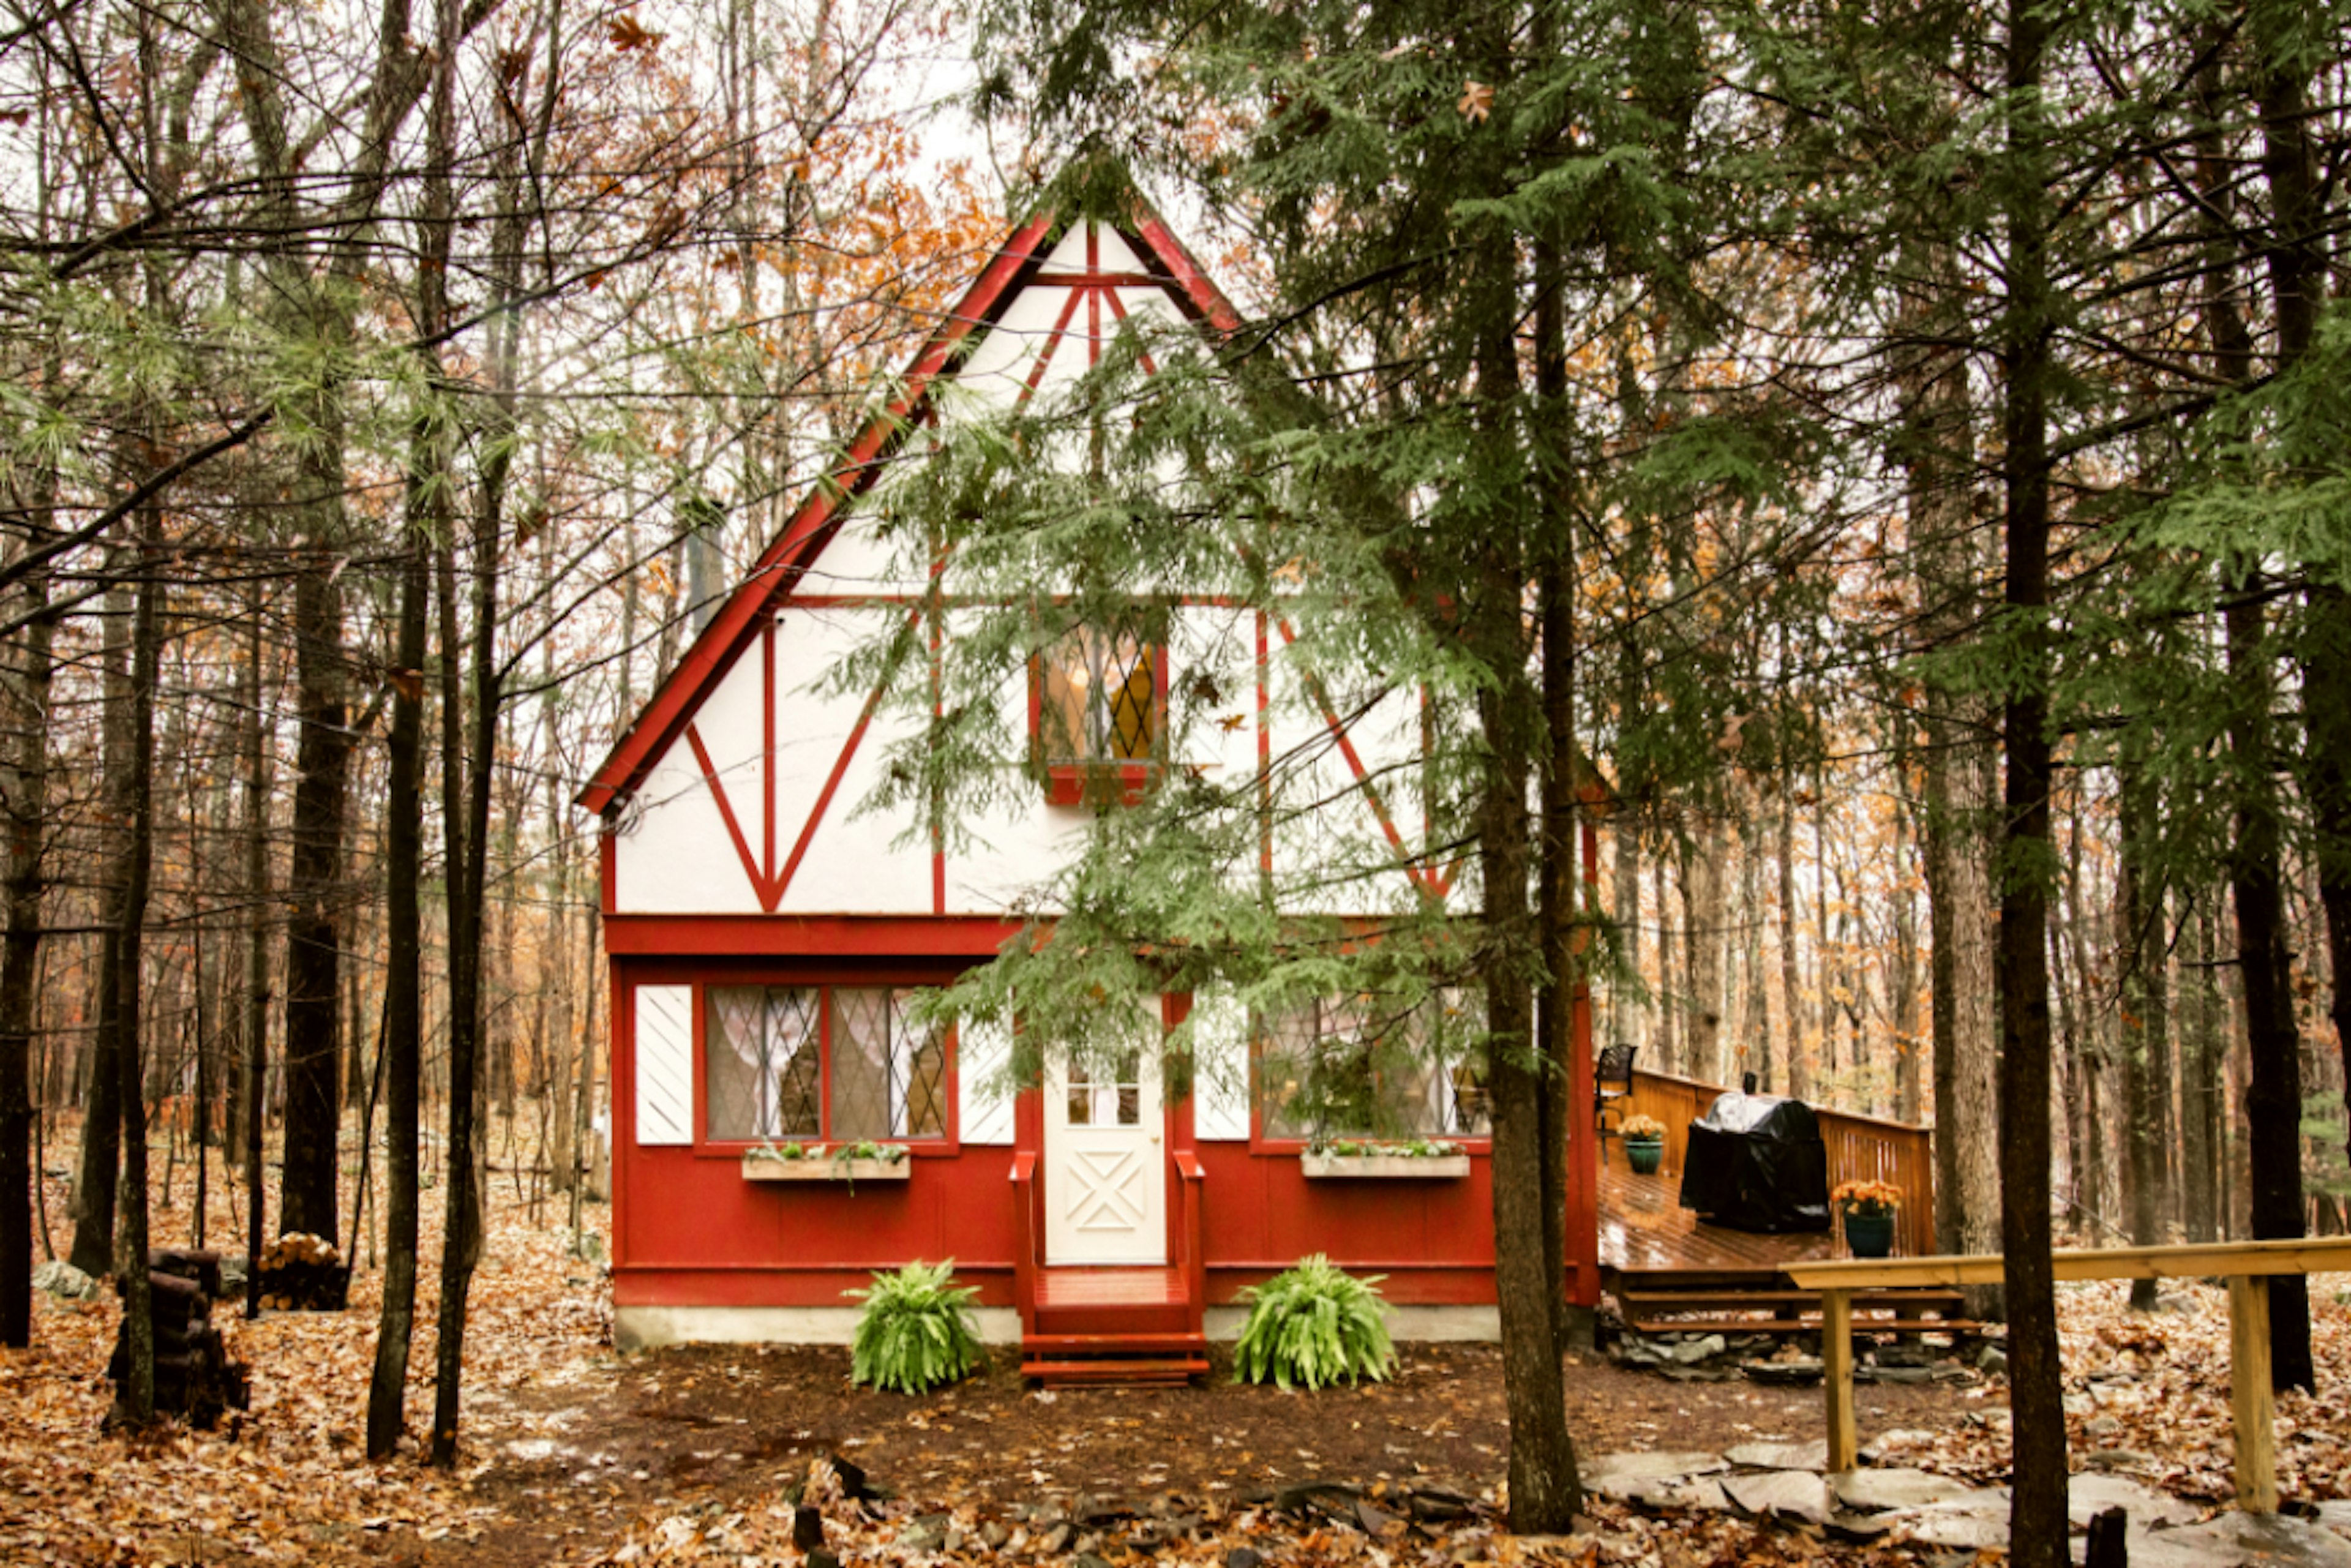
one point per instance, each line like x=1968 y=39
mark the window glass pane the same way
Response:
x=860 y=1065
x=1080 y=1098
x=761 y=1056
x=921 y=1056
x=1098 y=701
x=1130 y=1090
x=1359 y=1069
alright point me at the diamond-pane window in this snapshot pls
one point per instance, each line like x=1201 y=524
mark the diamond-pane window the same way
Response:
x=765 y=1063
x=768 y=1052
x=1099 y=712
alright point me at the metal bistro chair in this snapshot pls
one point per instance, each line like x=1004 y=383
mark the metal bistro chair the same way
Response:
x=1612 y=1086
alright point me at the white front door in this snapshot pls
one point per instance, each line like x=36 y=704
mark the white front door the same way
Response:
x=1106 y=1163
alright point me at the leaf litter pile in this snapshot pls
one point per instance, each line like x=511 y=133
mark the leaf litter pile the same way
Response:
x=765 y=1457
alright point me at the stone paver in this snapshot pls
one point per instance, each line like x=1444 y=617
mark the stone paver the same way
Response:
x=2234 y=1540
x=1877 y=1491
x=1812 y=1455
x=1800 y=1495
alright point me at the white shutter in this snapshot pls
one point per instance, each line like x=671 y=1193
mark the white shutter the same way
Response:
x=664 y=1065
x=983 y=1102
x=1220 y=1068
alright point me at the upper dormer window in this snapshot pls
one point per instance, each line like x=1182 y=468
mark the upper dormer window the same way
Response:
x=1098 y=713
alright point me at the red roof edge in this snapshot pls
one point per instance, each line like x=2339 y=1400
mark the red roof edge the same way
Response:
x=736 y=624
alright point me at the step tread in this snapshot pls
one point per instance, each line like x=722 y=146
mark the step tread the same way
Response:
x=1898 y=1294
x=1090 y=1343
x=1800 y=1325
x=1137 y=1370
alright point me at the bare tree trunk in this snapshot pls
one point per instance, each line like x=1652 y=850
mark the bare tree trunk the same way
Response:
x=1668 y=982
x=101 y=1128
x=24 y=793
x=256 y=953
x=1908 y=1097
x=2139 y=939
x=1702 y=891
x=2200 y=1093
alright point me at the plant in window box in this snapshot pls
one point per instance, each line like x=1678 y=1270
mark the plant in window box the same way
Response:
x=1645 y=1143
x=1868 y=1207
x=1423 y=1157
x=848 y=1162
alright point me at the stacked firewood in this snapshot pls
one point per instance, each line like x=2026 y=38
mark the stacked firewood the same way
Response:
x=304 y=1273
x=193 y=1375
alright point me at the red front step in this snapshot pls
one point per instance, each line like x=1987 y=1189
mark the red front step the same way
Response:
x=1063 y=1359
x=1116 y=1372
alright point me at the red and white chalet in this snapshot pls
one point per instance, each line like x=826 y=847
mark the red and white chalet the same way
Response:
x=764 y=940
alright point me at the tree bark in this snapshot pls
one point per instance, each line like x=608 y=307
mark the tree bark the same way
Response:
x=24 y=794
x=102 y=1130
x=430 y=516
x=308 y=1195
x=2140 y=940
x=2037 y=1511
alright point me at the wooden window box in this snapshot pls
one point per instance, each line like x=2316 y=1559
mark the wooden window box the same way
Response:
x=1093 y=783
x=1384 y=1167
x=824 y=1167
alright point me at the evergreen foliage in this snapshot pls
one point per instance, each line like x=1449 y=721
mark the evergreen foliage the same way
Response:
x=1311 y=1326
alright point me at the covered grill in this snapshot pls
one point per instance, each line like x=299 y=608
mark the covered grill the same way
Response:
x=1756 y=1162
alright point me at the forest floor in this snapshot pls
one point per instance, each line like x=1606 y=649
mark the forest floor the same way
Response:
x=574 y=1455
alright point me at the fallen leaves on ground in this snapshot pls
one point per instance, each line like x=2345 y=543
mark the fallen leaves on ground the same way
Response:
x=2147 y=1395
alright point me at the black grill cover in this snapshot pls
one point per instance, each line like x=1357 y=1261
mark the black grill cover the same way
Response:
x=1756 y=1162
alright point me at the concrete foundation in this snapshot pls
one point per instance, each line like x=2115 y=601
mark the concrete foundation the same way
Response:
x=650 y=1328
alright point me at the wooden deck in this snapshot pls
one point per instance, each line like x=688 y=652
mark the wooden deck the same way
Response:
x=1643 y=1227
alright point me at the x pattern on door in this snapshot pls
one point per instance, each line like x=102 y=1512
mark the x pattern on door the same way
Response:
x=1105 y=1190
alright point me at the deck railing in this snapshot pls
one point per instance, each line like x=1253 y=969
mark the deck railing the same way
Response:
x=1860 y=1148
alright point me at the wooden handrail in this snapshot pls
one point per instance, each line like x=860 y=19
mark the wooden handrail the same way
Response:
x=2248 y=1265
x=1196 y=1262
x=1024 y=1254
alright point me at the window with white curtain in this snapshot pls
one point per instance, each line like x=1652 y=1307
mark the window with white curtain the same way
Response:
x=1368 y=1067
x=820 y=1063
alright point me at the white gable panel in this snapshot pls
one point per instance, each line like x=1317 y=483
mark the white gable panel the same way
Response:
x=1012 y=846
x=1212 y=684
x=664 y=1065
x=1218 y=1025
x=983 y=1098
x=674 y=856
x=813 y=725
x=1000 y=367
x=860 y=559
x=851 y=865
x=1328 y=841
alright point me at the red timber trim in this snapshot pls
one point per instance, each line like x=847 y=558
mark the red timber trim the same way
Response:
x=621 y=1074
x=807 y=936
x=768 y=883
x=1020 y=262
x=723 y=641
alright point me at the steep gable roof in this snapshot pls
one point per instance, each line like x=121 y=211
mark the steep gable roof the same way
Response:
x=772 y=579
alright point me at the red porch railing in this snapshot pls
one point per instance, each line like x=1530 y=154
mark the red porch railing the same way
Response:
x=1024 y=1254
x=1193 y=1262
x=1860 y=1148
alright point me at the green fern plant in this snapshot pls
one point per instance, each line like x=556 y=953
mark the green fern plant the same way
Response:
x=916 y=1333
x=1313 y=1324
